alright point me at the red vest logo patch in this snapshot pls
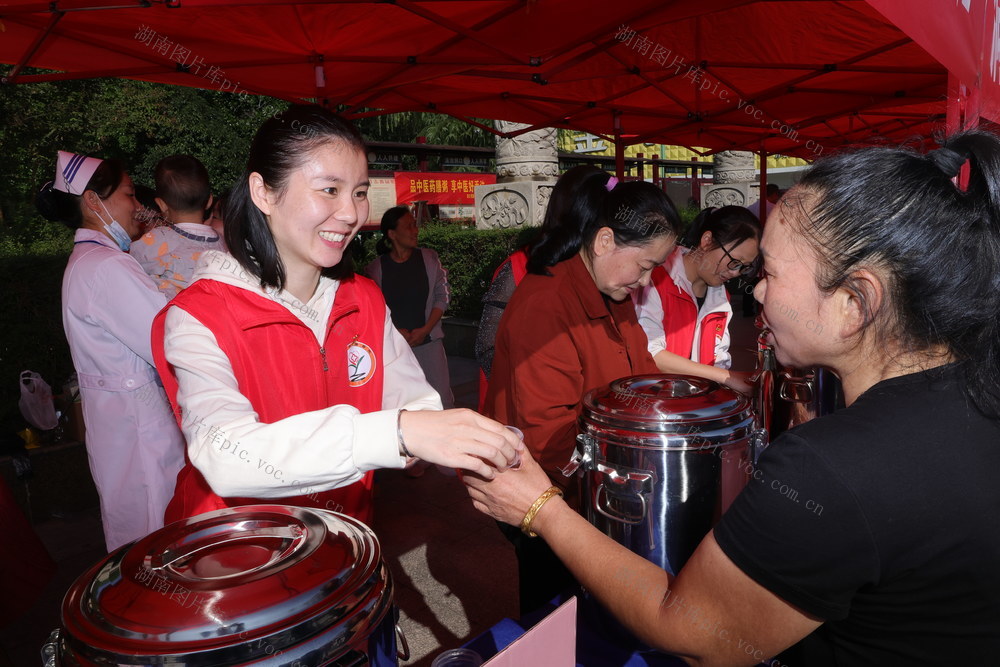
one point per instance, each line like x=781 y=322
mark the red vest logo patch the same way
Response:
x=360 y=363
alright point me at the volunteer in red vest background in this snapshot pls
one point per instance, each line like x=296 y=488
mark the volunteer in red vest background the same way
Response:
x=685 y=310
x=290 y=382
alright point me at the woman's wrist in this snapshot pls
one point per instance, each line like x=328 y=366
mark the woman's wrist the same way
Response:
x=530 y=522
x=403 y=451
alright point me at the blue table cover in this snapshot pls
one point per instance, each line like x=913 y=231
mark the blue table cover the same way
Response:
x=600 y=642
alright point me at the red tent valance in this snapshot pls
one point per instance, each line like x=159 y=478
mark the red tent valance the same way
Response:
x=793 y=77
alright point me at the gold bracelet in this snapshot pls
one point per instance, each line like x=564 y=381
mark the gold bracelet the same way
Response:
x=535 y=508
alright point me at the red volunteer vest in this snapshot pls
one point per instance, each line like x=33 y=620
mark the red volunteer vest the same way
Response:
x=519 y=269
x=680 y=319
x=283 y=372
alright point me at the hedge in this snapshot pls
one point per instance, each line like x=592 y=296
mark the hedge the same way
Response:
x=32 y=262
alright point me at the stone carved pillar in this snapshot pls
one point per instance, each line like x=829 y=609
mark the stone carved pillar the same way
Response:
x=527 y=168
x=733 y=182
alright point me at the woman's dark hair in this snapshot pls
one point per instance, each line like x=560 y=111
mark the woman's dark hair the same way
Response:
x=59 y=206
x=937 y=247
x=390 y=220
x=571 y=205
x=219 y=205
x=637 y=212
x=729 y=226
x=281 y=146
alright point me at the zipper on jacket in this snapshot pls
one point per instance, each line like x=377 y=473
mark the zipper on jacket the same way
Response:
x=322 y=353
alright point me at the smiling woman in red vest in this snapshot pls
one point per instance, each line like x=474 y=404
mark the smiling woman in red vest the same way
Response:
x=289 y=381
x=685 y=311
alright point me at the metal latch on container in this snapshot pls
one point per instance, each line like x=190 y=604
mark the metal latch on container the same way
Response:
x=583 y=455
x=758 y=443
x=50 y=650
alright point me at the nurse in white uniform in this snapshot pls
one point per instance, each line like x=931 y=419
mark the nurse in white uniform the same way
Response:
x=108 y=302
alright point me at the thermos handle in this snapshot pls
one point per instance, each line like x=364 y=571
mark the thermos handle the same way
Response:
x=50 y=650
x=179 y=553
x=402 y=647
x=796 y=389
x=627 y=484
x=604 y=508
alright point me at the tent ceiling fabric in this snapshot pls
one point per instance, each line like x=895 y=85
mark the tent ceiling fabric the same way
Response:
x=804 y=77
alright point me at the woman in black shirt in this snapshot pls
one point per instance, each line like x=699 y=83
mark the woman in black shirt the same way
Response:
x=415 y=286
x=868 y=536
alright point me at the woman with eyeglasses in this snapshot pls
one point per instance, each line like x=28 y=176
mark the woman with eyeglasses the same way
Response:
x=685 y=310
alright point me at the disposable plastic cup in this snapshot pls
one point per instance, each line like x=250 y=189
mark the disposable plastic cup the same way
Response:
x=458 y=657
x=516 y=465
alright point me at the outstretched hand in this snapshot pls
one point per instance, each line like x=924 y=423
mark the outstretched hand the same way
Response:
x=740 y=381
x=510 y=493
x=460 y=439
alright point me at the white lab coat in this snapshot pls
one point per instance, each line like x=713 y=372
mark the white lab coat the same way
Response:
x=133 y=443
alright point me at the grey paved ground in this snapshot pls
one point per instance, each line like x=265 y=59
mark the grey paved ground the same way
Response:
x=455 y=574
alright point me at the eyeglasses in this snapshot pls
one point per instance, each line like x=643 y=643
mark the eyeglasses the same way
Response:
x=736 y=265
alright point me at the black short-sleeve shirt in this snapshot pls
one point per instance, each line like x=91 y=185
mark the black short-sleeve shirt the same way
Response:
x=405 y=287
x=883 y=519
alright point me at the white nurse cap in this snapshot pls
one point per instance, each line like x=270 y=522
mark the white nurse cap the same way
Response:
x=73 y=172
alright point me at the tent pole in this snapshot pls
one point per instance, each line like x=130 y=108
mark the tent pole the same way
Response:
x=320 y=72
x=30 y=52
x=762 y=207
x=619 y=148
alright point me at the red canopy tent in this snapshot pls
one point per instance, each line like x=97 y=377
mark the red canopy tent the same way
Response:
x=790 y=77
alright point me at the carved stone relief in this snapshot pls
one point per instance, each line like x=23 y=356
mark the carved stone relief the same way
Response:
x=733 y=167
x=531 y=156
x=504 y=209
x=725 y=197
x=542 y=196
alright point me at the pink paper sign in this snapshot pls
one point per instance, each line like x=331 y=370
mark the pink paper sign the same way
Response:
x=551 y=642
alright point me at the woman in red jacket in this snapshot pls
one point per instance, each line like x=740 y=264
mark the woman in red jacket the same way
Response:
x=571 y=327
x=291 y=383
x=557 y=239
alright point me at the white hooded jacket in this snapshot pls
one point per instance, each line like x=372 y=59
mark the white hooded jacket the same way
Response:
x=333 y=447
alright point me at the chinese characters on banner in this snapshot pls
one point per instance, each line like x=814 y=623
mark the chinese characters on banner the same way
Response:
x=439 y=187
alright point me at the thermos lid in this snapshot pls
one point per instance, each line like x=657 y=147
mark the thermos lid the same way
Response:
x=669 y=404
x=227 y=587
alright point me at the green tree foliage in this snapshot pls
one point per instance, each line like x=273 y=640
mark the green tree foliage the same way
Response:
x=135 y=121
x=435 y=128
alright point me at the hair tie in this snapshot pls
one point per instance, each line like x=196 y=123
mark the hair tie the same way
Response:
x=948 y=161
x=612 y=182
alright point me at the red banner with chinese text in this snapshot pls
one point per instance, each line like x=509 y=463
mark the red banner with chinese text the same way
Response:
x=439 y=187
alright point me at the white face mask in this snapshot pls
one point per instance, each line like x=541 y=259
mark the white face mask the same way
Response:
x=116 y=231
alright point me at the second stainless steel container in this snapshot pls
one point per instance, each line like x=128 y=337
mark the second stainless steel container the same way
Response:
x=663 y=456
x=267 y=585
